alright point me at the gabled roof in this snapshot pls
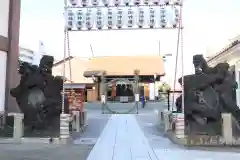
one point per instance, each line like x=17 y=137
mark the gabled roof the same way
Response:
x=125 y=65
x=223 y=51
x=112 y=65
x=61 y=61
x=78 y=66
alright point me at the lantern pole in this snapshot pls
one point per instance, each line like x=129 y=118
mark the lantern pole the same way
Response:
x=64 y=118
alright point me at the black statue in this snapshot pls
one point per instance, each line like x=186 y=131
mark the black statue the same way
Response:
x=208 y=93
x=39 y=95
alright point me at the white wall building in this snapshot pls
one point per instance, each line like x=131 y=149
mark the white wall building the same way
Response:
x=9 y=39
x=30 y=56
x=4 y=15
x=26 y=55
x=231 y=55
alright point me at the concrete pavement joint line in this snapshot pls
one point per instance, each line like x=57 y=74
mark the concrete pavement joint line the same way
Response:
x=99 y=141
x=145 y=141
x=115 y=140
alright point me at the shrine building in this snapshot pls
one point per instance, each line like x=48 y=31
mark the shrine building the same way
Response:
x=119 y=71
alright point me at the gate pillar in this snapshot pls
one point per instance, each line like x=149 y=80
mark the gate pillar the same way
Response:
x=136 y=87
x=103 y=90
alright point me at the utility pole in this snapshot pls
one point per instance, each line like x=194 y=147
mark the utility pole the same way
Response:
x=92 y=51
x=159 y=47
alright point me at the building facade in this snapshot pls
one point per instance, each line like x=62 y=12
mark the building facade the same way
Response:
x=231 y=55
x=26 y=55
x=86 y=74
x=29 y=56
x=9 y=41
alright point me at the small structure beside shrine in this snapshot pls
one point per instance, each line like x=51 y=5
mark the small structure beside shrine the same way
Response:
x=74 y=69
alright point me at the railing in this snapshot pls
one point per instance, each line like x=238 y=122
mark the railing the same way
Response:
x=123 y=99
x=170 y=98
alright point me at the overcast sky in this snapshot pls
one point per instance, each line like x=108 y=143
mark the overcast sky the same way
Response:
x=207 y=24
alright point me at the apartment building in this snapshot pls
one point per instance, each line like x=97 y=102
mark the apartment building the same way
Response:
x=26 y=55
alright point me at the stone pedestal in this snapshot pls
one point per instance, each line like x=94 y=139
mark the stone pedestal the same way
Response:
x=18 y=128
x=83 y=118
x=227 y=128
x=166 y=120
x=79 y=120
x=76 y=121
x=64 y=126
x=179 y=125
x=2 y=120
x=160 y=115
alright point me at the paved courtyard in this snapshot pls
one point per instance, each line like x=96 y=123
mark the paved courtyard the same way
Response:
x=146 y=121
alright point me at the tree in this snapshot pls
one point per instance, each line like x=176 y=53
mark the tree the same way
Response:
x=164 y=87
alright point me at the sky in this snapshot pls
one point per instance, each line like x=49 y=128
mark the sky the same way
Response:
x=208 y=26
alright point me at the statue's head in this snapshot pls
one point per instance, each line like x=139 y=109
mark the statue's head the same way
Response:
x=24 y=68
x=46 y=64
x=222 y=68
x=199 y=63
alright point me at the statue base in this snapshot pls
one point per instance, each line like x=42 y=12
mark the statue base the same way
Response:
x=7 y=128
x=211 y=128
x=218 y=134
x=53 y=130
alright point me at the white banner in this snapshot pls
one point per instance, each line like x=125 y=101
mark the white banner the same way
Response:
x=89 y=19
x=110 y=18
x=176 y=17
x=97 y=3
x=130 y=18
x=119 y=18
x=105 y=2
x=126 y=2
x=70 y=19
x=122 y=18
x=117 y=2
x=99 y=21
x=163 y=21
x=152 y=16
x=74 y=2
x=80 y=19
x=141 y=18
x=85 y=3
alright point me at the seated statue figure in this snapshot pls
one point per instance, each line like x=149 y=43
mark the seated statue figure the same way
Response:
x=207 y=94
x=39 y=96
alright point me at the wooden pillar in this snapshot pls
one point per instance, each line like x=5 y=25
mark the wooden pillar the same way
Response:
x=136 y=78
x=103 y=87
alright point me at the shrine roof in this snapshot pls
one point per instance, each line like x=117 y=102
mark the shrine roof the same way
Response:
x=78 y=66
x=125 y=65
x=112 y=65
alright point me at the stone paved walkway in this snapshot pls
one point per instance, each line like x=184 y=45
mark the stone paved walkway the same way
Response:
x=122 y=139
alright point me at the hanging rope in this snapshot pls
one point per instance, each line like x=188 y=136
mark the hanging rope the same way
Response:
x=182 y=59
x=66 y=53
x=64 y=70
x=72 y=95
x=179 y=38
x=69 y=56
